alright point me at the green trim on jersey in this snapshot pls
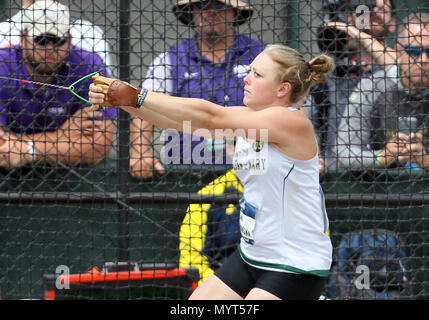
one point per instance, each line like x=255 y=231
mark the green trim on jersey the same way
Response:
x=320 y=273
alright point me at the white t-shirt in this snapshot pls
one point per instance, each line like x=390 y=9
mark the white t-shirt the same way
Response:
x=158 y=77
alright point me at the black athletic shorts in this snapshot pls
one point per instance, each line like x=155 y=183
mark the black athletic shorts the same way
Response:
x=242 y=277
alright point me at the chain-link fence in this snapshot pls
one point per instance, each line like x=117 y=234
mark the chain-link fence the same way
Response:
x=88 y=212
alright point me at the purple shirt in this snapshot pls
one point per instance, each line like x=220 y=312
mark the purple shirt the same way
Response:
x=25 y=109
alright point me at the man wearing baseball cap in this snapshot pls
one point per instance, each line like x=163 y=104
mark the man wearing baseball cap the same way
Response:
x=85 y=34
x=210 y=65
x=45 y=17
x=41 y=123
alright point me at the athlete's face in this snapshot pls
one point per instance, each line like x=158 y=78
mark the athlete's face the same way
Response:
x=261 y=88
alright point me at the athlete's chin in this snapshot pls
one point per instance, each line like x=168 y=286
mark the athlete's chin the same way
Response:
x=246 y=101
x=251 y=105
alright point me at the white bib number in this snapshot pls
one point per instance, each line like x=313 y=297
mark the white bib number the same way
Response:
x=247 y=221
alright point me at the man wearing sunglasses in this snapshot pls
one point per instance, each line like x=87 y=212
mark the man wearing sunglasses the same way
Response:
x=38 y=121
x=386 y=123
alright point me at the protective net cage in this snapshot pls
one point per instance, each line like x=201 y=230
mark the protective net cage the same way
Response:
x=105 y=206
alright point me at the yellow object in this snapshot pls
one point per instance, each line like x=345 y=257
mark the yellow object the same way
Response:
x=193 y=230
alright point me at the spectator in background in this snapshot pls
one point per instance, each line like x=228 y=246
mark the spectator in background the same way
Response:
x=386 y=121
x=42 y=123
x=355 y=57
x=210 y=232
x=210 y=65
x=84 y=34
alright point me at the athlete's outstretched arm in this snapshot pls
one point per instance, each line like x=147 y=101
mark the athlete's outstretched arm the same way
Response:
x=171 y=112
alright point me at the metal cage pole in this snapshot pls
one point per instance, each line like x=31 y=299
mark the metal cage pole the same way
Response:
x=292 y=23
x=123 y=136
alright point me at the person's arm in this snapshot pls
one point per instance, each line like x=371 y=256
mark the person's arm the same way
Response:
x=290 y=130
x=383 y=55
x=354 y=129
x=142 y=161
x=80 y=140
x=14 y=151
x=285 y=126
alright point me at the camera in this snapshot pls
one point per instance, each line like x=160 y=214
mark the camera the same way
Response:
x=329 y=39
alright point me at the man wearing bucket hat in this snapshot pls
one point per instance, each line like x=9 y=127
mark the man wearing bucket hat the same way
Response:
x=40 y=122
x=210 y=65
x=183 y=9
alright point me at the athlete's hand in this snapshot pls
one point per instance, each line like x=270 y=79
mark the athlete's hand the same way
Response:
x=107 y=92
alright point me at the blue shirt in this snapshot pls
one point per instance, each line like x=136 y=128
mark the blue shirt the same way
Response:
x=26 y=109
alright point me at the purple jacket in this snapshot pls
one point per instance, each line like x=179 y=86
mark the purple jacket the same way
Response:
x=24 y=109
